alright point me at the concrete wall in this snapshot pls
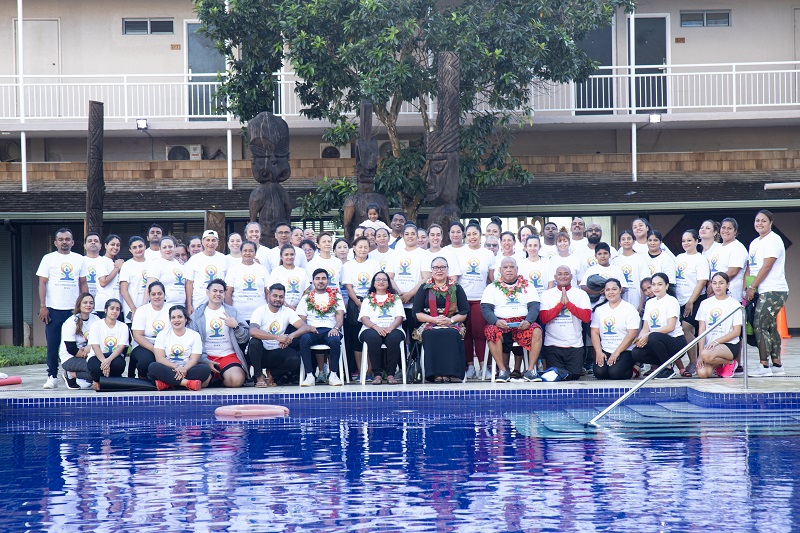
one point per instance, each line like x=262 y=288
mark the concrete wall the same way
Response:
x=139 y=148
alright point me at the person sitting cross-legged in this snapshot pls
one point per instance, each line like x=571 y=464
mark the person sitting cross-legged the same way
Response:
x=510 y=306
x=323 y=310
x=177 y=352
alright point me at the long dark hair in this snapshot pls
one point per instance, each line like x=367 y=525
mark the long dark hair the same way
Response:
x=77 y=312
x=389 y=289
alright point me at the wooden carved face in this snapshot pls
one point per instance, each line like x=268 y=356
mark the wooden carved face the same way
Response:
x=269 y=146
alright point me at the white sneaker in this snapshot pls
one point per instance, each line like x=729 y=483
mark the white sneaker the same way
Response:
x=334 y=380
x=51 y=383
x=778 y=371
x=82 y=383
x=471 y=372
x=760 y=371
x=310 y=381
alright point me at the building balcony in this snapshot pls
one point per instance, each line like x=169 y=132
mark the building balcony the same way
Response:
x=613 y=97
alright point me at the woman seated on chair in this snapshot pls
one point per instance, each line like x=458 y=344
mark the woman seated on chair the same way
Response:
x=441 y=306
x=721 y=346
x=382 y=314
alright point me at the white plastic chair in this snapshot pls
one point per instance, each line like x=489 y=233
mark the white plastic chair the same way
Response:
x=343 y=368
x=365 y=359
x=525 y=364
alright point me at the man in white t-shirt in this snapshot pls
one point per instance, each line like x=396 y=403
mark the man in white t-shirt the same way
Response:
x=252 y=232
x=564 y=309
x=154 y=235
x=548 y=248
x=283 y=235
x=272 y=347
x=398 y=228
x=322 y=308
x=510 y=306
x=586 y=255
x=202 y=268
x=92 y=259
x=62 y=277
x=578 y=231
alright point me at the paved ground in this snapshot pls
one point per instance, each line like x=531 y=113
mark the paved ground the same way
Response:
x=33 y=378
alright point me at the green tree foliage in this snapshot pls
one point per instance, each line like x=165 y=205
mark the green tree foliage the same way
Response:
x=329 y=196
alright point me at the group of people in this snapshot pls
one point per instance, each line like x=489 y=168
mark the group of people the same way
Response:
x=563 y=301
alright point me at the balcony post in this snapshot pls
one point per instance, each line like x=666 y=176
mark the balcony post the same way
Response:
x=20 y=65
x=634 y=153
x=230 y=159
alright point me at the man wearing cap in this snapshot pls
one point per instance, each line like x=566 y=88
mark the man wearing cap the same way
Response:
x=201 y=269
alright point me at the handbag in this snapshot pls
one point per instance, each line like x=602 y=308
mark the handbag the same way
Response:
x=413 y=367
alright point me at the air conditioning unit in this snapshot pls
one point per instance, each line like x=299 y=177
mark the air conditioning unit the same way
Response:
x=329 y=151
x=10 y=151
x=385 y=147
x=185 y=152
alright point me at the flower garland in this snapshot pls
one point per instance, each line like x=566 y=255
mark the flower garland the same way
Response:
x=448 y=291
x=511 y=290
x=375 y=304
x=321 y=309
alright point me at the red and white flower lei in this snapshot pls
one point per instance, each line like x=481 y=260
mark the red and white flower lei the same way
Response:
x=322 y=309
x=373 y=300
x=510 y=290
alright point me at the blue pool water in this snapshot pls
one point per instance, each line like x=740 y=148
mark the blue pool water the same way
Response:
x=335 y=467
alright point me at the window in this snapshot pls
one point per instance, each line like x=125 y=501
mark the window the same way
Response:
x=699 y=19
x=147 y=27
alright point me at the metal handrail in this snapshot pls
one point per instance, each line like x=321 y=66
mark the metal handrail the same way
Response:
x=677 y=356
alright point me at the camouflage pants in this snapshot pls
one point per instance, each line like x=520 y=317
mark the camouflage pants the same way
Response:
x=767 y=308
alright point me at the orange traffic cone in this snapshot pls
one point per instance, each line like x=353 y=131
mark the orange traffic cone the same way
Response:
x=783 y=329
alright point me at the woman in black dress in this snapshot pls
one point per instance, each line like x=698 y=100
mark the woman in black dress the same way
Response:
x=442 y=324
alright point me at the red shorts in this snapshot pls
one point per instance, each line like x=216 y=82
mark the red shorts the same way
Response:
x=224 y=362
x=523 y=338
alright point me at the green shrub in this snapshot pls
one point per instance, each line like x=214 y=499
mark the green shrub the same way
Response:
x=20 y=356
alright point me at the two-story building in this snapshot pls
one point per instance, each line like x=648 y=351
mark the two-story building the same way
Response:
x=695 y=107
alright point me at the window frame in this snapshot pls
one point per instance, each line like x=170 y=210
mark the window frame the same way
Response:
x=149 y=21
x=704 y=13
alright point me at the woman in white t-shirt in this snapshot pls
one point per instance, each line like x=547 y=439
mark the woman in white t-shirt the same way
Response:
x=691 y=278
x=109 y=340
x=133 y=279
x=178 y=351
x=294 y=278
x=633 y=267
x=614 y=326
x=168 y=271
x=709 y=246
x=150 y=319
x=719 y=349
x=75 y=343
x=356 y=276
x=534 y=268
x=234 y=249
x=732 y=257
x=382 y=315
x=767 y=262
x=658 y=260
x=247 y=283
x=108 y=274
x=564 y=257
x=661 y=336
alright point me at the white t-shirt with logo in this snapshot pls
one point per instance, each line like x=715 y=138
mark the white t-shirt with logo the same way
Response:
x=511 y=306
x=587 y=259
x=614 y=324
x=108 y=338
x=179 y=348
x=274 y=258
x=453 y=266
x=690 y=269
x=68 y=335
x=273 y=323
x=657 y=313
x=295 y=281
x=408 y=267
x=731 y=255
x=92 y=278
x=565 y=330
x=248 y=282
x=201 y=269
x=359 y=275
x=218 y=342
x=571 y=262
x=536 y=272
x=663 y=262
x=634 y=269
x=712 y=256
x=771 y=245
x=605 y=272
x=382 y=316
x=332 y=265
x=262 y=256
x=170 y=273
x=312 y=318
x=111 y=290
x=475 y=267
x=712 y=311
x=150 y=321
x=135 y=273
x=63 y=273
x=384 y=259
x=548 y=251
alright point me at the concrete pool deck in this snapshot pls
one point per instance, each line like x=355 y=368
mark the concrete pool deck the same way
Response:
x=33 y=378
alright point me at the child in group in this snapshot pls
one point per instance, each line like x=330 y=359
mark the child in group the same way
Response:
x=647 y=293
x=373 y=221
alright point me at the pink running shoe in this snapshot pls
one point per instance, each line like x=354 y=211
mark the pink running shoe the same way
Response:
x=726 y=371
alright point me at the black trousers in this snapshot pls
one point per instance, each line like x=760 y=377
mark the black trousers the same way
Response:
x=659 y=348
x=117 y=367
x=622 y=369
x=140 y=361
x=283 y=363
x=569 y=359
x=161 y=372
x=392 y=342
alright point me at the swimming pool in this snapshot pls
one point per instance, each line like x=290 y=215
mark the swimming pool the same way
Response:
x=387 y=463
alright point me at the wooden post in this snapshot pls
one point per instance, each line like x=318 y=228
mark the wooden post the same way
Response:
x=216 y=220
x=95 y=182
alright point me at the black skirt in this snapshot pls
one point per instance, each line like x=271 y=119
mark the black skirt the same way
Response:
x=444 y=353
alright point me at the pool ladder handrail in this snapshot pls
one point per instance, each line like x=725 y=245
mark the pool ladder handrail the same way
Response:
x=678 y=355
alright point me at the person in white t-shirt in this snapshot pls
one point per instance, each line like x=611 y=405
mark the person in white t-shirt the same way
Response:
x=709 y=233
x=381 y=315
x=292 y=277
x=133 y=279
x=435 y=236
x=397 y=224
x=235 y=249
x=492 y=244
x=168 y=271
x=356 y=276
x=325 y=259
x=732 y=257
x=720 y=348
x=634 y=269
x=565 y=256
x=614 y=326
x=549 y=233
x=658 y=259
x=767 y=263
x=252 y=232
x=383 y=254
x=510 y=306
x=75 y=343
x=178 y=350
x=108 y=274
x=283 y=236
x=691 y=278
x=92 y=260
x=323 y=310
x=273 y=348
x=535 y=268
x=564 y=309
x=203 y=268
x=595 y=277
x=661 y=335
x=62 y=277
x=578 y=230
x=109 y=340
x=154 y=236
x=150 y=319
x=247 y=283
x=409 y=270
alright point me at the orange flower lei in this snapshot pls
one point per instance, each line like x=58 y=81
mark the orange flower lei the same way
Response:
x=375 y=304
x=322 y=309
x=510 y=290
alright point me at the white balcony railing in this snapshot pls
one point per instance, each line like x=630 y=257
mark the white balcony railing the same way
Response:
x=729 y=87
